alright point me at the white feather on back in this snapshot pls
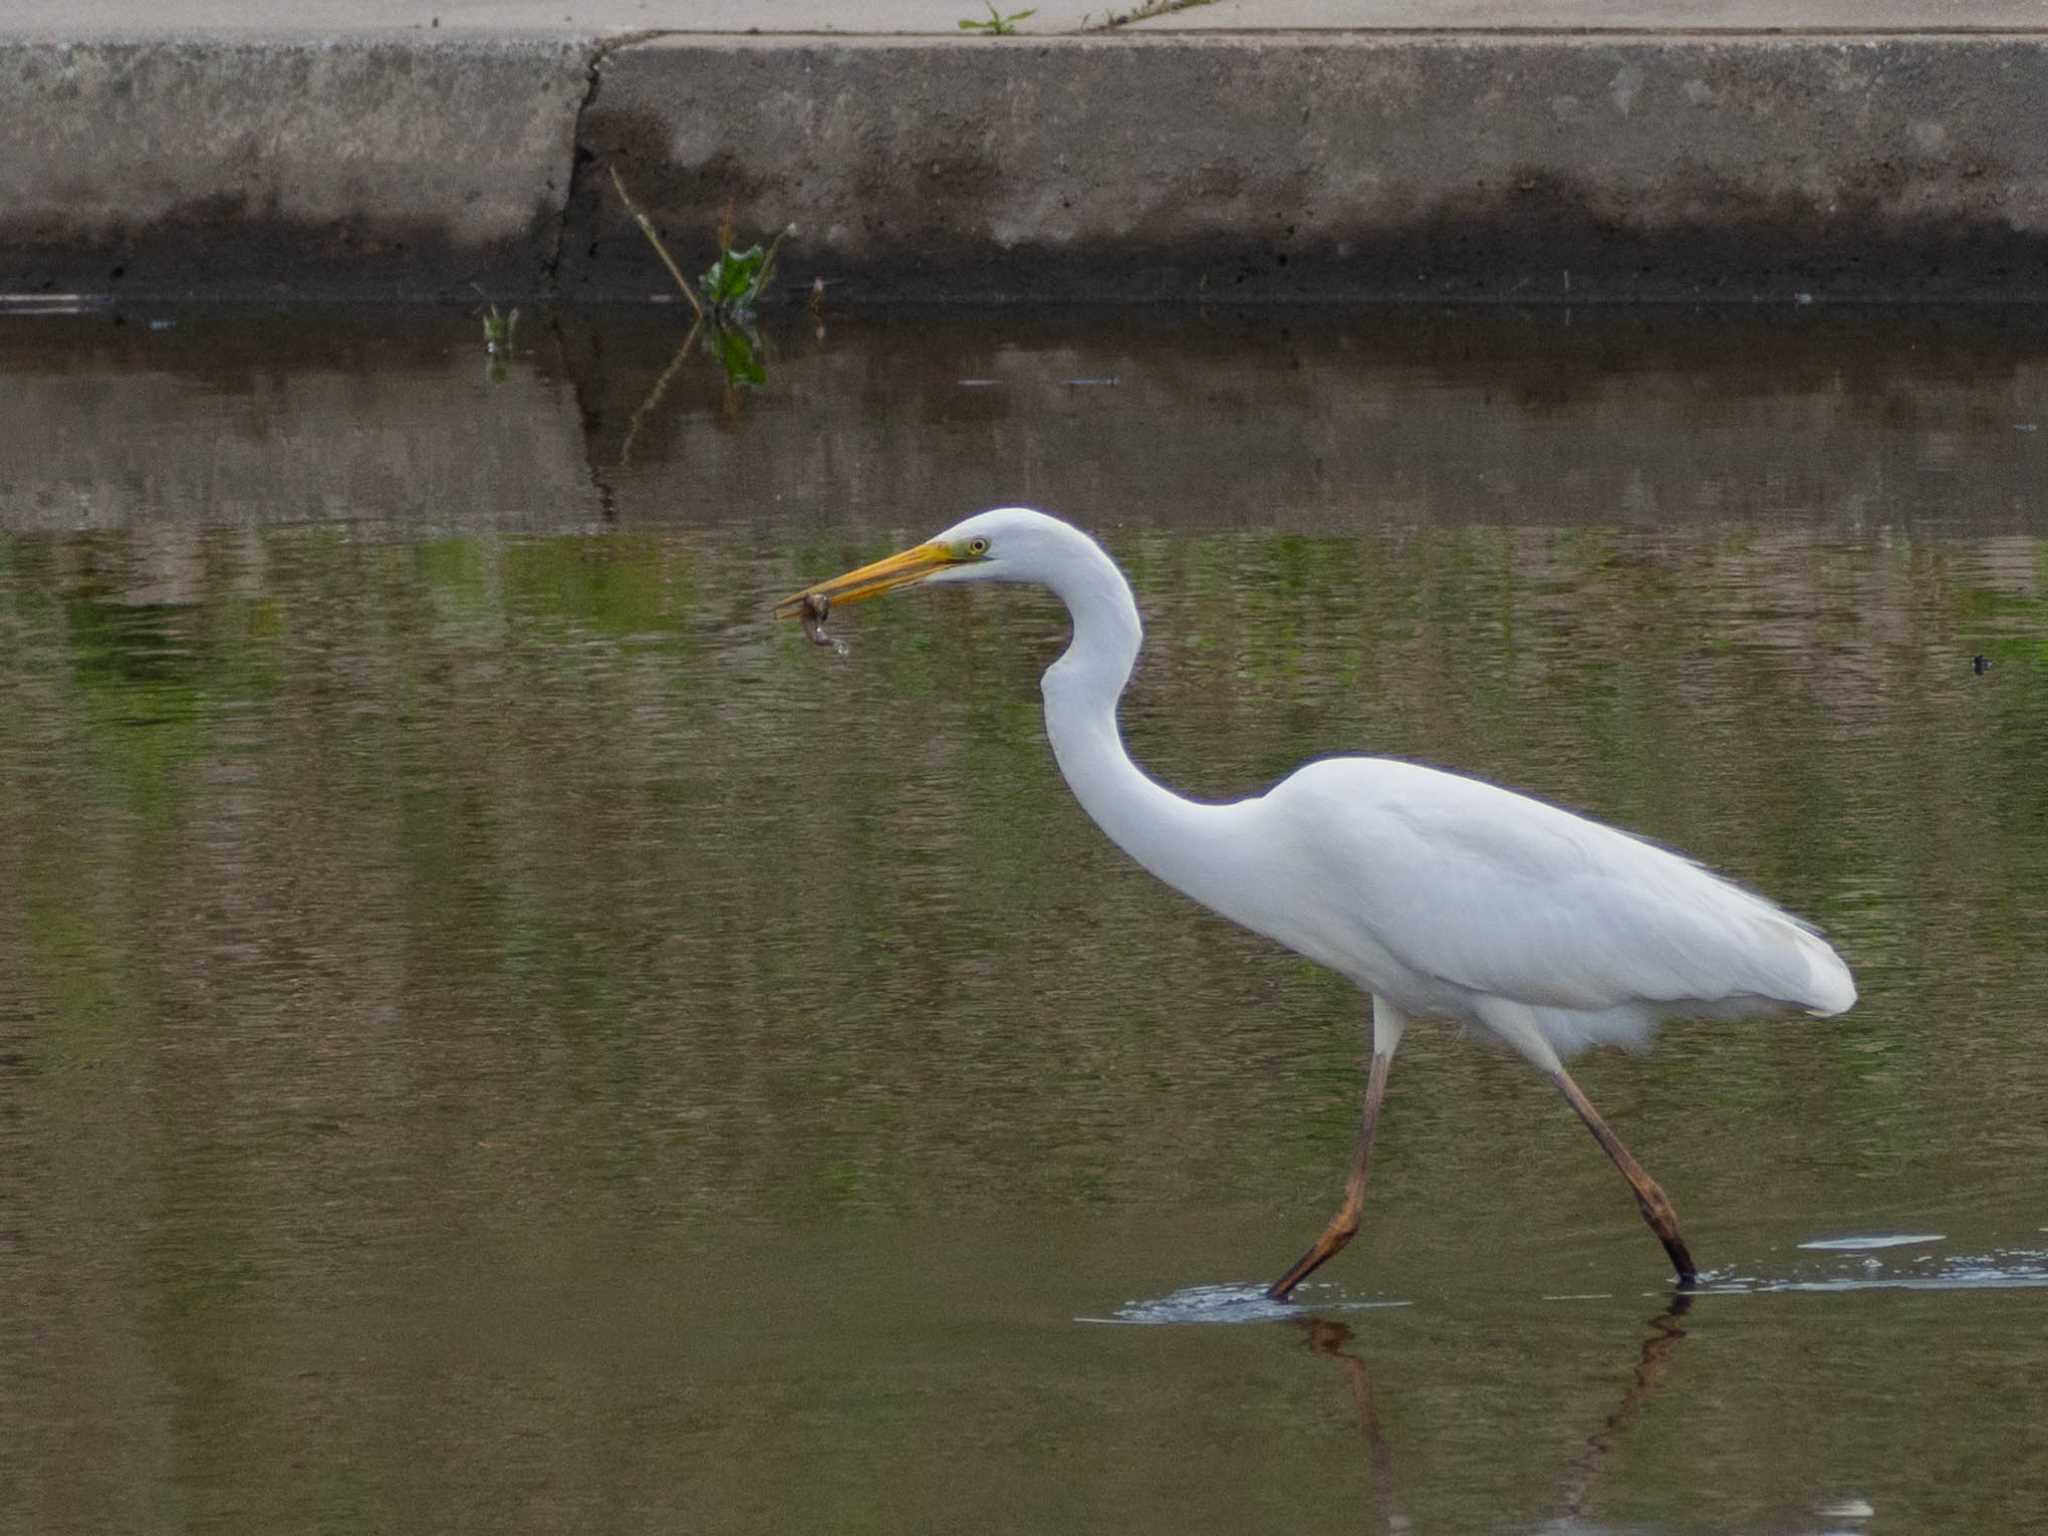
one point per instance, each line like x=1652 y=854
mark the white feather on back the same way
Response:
x=1478 y=890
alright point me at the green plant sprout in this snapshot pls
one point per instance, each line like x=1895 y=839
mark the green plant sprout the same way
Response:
x=498 y=330
x=734 y=283
x=1145 y=10
x=723 y=302
x=998 y=25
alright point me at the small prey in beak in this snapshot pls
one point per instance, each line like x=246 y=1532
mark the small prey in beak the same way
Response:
x=857 y=586
x=815 y=606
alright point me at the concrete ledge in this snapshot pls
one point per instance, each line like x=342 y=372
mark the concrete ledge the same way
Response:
x=245 y=167
x=1190 y=167
x=1341 y=166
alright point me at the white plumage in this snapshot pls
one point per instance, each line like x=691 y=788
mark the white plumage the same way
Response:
x=1482 y=898
x=1437 y=894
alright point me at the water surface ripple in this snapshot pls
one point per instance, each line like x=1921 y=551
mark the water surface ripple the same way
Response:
x=496 y=1034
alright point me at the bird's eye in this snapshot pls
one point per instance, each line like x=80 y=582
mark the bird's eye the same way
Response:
x=977 y=546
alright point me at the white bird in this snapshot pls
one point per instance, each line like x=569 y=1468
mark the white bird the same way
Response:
x=1436 y=894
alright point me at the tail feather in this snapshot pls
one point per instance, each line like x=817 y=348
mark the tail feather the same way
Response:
x=1830 y=989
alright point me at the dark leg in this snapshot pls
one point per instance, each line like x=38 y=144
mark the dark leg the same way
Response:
x=1345 y=1223
x=1651 y=1200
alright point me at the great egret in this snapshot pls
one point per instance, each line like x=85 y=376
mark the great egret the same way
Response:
x=1436 y=894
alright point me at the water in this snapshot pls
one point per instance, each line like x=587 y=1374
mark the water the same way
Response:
x=495 y=1035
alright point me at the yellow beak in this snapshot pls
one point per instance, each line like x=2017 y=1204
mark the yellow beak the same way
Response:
x=871 y=580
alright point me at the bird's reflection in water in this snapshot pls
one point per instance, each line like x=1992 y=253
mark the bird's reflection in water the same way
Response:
x=1335 y=1340
x=1330 y=1339
x=1652 y=1360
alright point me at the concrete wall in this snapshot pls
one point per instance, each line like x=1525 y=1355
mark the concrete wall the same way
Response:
x=250 y=168
x=1361 y=167
x=1196 y=167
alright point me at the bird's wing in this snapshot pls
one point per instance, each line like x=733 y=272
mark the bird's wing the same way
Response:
x=1491 y=891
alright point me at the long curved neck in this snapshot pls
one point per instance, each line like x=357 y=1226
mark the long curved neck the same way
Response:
x=1158 y=828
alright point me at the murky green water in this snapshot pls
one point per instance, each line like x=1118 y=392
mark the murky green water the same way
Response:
x=496 y=1036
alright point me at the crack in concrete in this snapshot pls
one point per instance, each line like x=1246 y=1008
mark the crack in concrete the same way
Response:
x=579 y=158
